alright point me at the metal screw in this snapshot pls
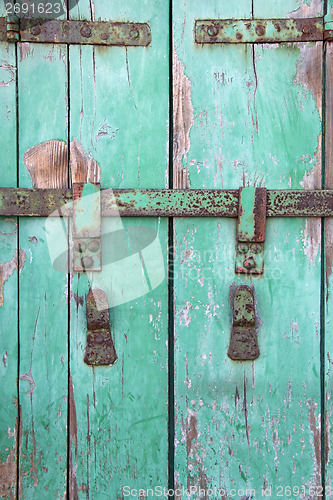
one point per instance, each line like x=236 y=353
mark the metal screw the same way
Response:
x=243 y=247
x=87 y=262
x=249 y=263
x=94 y=245
x=213 y=30
x=256 y=248
x=134 y=33
x=85 y=31
x=35 y=30
x=260 y=30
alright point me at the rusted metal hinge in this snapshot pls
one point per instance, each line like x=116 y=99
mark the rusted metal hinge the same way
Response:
x=14 y=29
x=218 y=31
x=252 y=210
x=244 y=338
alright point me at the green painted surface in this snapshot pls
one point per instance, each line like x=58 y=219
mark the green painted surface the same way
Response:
x=43 y=292
x=256 y=122
x=9 y=278
x=118 y=427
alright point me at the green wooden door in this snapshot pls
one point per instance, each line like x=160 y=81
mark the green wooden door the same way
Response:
x=174 y=412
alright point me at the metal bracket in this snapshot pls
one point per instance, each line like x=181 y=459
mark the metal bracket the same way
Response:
x=100 y=348
x=251 y=230
x=14 y=29
x=244 y=338
x=87 y=254
x=259 y=30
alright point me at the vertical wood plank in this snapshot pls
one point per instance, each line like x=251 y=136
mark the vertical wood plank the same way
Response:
x=43 y=291
x=328 y=274
x=9 y=263
x=256 y=121
x=119 y=117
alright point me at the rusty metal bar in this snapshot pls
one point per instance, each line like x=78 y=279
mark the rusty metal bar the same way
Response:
x=75 y=32
x=214 y=31
x=165 y=202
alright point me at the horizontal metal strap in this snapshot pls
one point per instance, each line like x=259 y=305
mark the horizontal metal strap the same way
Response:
x=166 y=202
x=217 y=31
x=75 y=32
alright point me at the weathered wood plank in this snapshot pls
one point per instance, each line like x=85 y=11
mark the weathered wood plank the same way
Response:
x=43 y=291
x=119 y=114
x=327 y=362
x=249 y=425
x=9 y=264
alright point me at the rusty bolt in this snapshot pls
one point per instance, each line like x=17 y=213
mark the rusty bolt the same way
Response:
x=35 y=30
x=260 y=30
x=87 y=262
x=134 y=33
x=256 y=248
x=94 y=245
x=249 y=263
x=213 y=30
x=243 y=247
x=104 y=36
x=306 y=30
x=65 y=27
x=85 y=31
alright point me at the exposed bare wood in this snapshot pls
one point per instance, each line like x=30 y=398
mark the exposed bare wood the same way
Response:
x=47 y=164
x=183 y=119
x=83 y=167
x=8 y=268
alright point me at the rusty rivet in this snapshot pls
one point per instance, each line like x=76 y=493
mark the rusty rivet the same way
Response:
x=87 y=262
x=249 y=263
x=253 y=353
x=35 y=30
x=134 y=33
x=256 y=248
x=306 y=30
x=243 y=247
x=65 y=27
x=85 y=31
x=213 y=30
x=80 y=246
x=104 y=36
x=260 y=30
x=94 y=245
x=234 y=353
x=239 y=36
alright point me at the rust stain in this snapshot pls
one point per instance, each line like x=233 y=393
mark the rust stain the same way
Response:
x=8 y=483
x=316 y=431
x=47 y=164
x=83 y=168
x=8 y=268
x=183 y=119
x=191 y=431
x=73 y=486
x=245 y=410
x=305 y=10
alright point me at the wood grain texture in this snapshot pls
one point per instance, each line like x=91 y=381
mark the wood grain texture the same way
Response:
x=258 y=123
x=43 y=380
x=119 y=116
